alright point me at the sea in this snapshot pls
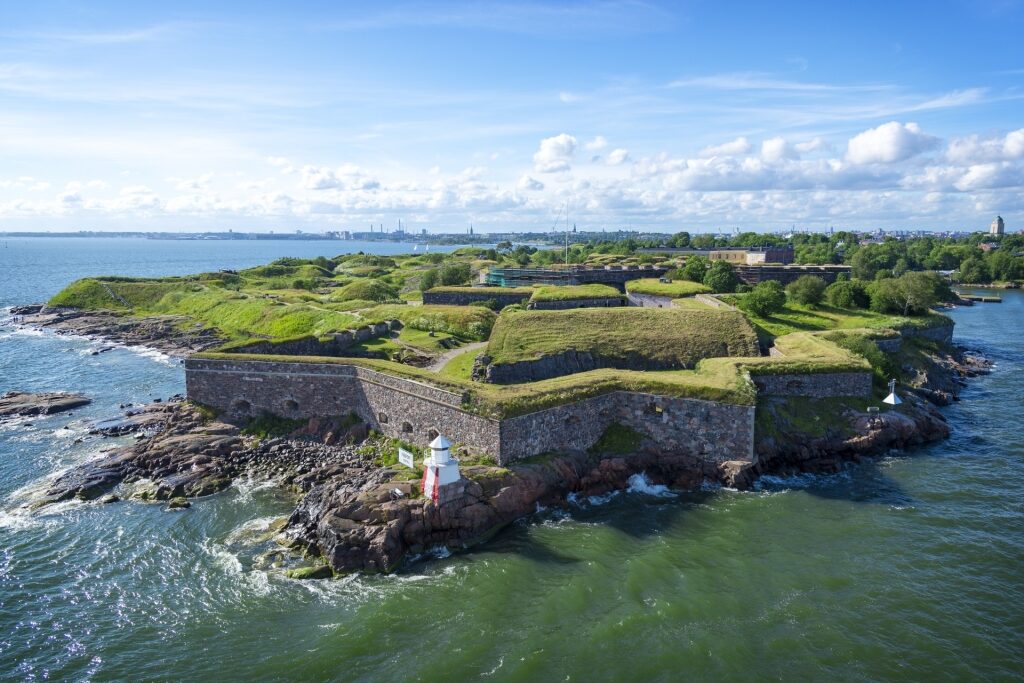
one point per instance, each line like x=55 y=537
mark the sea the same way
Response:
x=909 y=567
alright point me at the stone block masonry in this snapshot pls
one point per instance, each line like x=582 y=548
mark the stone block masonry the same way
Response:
x=416 y=412
x=811 y=385
x=398 y=407
x=477 y=295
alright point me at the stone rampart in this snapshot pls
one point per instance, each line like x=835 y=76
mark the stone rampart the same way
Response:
x=650 y=301
x=561 y=305
x=477 y=295
x=395 y=406
x=416 y=412
x=940 y=333
x=713 y=431
x=334 y=344
x=814 y=385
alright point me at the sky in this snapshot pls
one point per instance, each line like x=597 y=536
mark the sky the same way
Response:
x=699 y=116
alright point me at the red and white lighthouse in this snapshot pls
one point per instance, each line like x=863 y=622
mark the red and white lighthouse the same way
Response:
x=439 y=469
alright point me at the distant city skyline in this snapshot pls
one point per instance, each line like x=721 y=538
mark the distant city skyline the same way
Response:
x=634 y=115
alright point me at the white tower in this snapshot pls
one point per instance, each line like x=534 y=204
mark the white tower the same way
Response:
x=998 y=227
x=439 y=469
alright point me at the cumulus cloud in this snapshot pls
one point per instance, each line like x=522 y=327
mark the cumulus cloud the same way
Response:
x=727 y=149
x=776 y=149
x=528 y=184
x=617 y=157
x=555 y=154
x=974 y=149
x=810 y=146
x=889 y=143
x=345 y=177
x=598 y=143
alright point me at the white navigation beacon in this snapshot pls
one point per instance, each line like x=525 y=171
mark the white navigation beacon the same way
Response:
x=439 y=469
x=892 y=399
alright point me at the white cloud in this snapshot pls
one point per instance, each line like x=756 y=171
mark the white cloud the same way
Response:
x=811 y=145
x=567 y=97
x=528 y=184
x=776 y=149
x=617 y=157
x=732 y=148
x=555 y=154
x=345 y=177
x=974 y=149
x=889 y=143
x=596 y=144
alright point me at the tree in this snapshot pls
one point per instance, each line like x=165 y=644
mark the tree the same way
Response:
x=720 y=277
x=807 y=289
x=680 y=240
x=765 y=298
x=911 y=294
x=847 y=294
x=695 y=268
x=504 y=246
x=455 y=273
x=973 y=270
x=428 y=280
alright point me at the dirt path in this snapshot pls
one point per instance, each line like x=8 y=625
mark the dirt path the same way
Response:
x=443 y=359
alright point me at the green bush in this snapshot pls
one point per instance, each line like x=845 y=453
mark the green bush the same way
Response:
x=720 y=277
x=807 y=289
x=847 y=293
x=764 y=299
x=455 y=274
x=370 y=290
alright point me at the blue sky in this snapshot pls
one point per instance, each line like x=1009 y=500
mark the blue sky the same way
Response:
x=665 y=116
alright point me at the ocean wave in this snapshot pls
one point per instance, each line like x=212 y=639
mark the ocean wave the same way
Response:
x=640 y=483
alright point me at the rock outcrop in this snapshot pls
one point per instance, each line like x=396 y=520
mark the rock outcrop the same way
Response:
x=163 y=333
x=21 y=403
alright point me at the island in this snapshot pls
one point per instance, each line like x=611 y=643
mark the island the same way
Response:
x=547 y=381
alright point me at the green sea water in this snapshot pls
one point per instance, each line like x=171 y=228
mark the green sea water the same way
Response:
x=907 y=568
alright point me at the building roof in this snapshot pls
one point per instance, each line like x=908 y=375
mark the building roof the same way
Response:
x=440 y=443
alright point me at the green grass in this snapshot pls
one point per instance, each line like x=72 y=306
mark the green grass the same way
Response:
x=693 y=304
x=573 y=292
x=665 y=336
x=798 y=318
x=525 y=292
x=675 y=289
x=461 y=366
x=466 y=322
x=618 y=440
x=271 y=426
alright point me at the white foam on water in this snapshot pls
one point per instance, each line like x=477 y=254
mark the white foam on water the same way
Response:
x=154 y=354
x=602 y=499
x=639 y=483
x=248 y=486
x=222 y=557
x=248 y=531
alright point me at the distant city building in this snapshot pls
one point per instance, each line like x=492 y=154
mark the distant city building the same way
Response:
x=997 y=227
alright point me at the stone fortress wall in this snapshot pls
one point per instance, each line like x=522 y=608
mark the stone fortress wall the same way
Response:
x=479 y=294
x=416 y=412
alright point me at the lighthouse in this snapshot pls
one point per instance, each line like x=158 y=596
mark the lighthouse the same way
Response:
x=439 y=469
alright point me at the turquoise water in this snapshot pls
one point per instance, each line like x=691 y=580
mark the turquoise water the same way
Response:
x=906 y=568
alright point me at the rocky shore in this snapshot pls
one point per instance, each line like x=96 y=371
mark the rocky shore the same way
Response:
x=353 y=514
x=166 y=334
x=21 y=403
